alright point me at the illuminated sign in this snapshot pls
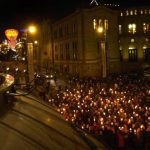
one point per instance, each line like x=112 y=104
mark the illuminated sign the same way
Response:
x=12 y=35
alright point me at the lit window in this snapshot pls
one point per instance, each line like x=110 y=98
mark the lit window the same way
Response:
x=94 y=24
x=131 y=12
x=149 y=11
x=135 y=12
x=146 y=27
x=132 y=28
x=127 y=13
x=132 y=40
x=120 y=29
x=141 y=12
x=106 y=24
x=121 y=14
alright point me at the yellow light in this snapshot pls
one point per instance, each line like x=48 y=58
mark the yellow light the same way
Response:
x=35 y=42
x=100 y=29
x=32 y=29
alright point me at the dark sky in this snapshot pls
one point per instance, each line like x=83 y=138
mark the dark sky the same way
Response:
x=18 y=13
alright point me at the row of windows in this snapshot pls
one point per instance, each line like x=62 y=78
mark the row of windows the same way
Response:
x=135 y=12
x=132 y=28
x=132 y=53
x=100 y=25
x=66 y=52
x=65 y=30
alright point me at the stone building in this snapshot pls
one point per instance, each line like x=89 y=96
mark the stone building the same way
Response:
x=78 y=46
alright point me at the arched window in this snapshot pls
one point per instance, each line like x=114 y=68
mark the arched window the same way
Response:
x=146 y=50
x=132 y=28
x=132 y=51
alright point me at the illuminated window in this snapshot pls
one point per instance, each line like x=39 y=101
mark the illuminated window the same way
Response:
x=141 y=12
x=132 y=55
x=94 y=24
x=146 y=27
x=132 y=40
x=132 y=28
x=106 y=24
x=149 y=11
x=127 y=13
x=121 y=14
x=120 y=29
x=131 y=12
x=135 y=12
x=145 y=11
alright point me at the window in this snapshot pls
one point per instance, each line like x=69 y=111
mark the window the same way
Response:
x=127 y=13
x=67 y=51
x=131 y=12
x=61 y=52
x=141 y=12
x=97 y=23
x=145 y=11
x=146 y=51
x=75 y=50
x=132 y=55
x=146 y=27
x=132 y=28
x=74 y=28
x=55 y=34
x=56 y=53
x=135 y=12
x=121 y=55
x=94 y=24
x=121 y=14
x=60 y=32
x=66 y=30
x=120 y=29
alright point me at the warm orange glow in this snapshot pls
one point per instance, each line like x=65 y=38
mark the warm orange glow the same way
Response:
x=32 y=29
x=100 y=29
x=11 y=33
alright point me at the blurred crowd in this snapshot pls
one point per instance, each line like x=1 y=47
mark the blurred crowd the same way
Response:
x=116 y=110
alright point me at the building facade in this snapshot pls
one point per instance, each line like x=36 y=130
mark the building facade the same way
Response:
x=78 y=46
x=134 y=38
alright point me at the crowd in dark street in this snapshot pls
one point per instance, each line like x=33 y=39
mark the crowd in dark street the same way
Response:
x=116 y=110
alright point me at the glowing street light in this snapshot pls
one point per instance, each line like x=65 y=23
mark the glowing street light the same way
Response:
x=102 y=29
x=32 y=29
x=30 y=68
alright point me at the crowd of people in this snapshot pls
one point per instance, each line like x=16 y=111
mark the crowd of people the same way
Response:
x=116 y=110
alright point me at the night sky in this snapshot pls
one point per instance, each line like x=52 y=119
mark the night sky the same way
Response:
x=19 y=13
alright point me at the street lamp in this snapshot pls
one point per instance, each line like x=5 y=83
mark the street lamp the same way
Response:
x=102 y=30
x=30 y=64
x=32 y=29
